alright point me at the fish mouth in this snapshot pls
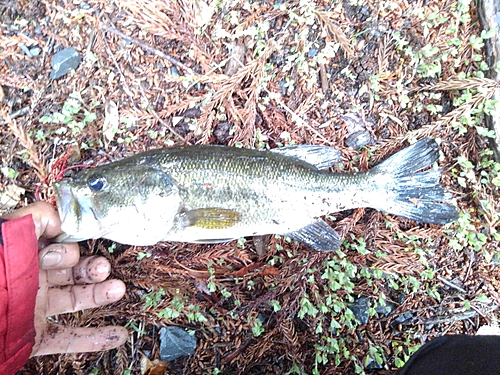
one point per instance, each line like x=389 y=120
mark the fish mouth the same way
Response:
x=63 y=197
x=69 y=211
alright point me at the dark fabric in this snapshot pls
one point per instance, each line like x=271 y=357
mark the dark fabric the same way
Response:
x=18 y=289
x=456 y=355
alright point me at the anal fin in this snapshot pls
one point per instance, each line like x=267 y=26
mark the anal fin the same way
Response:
x=318 y=235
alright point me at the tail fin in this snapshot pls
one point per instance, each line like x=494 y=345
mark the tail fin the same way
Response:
x=416 y=194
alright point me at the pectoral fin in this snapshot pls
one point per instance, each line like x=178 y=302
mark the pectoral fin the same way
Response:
x=318 y=235
x=210 y=218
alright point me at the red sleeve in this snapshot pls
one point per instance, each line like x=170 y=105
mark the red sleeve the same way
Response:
x=18 y=289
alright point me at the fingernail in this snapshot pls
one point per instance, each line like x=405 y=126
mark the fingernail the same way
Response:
x=102 y=268
x=115 y=294
x=51 y=259
x=108 y=292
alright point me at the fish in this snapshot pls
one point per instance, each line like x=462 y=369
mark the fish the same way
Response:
x=213 y=194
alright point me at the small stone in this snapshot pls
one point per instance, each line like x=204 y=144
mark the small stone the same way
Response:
x=263 y=318
x=358 y=139
x=403 y=318
x=193 y=112
x=360 y=309
x=387 y=309
x=174 y=71
x=371 y=364
x=25 y=50
x=283 y=87
x=63 y=61
x=357 y=128
x=496 y=260
x=399 y=298
x=35 y=51
x=222 y=132
x=175 y=343
x=312 y=52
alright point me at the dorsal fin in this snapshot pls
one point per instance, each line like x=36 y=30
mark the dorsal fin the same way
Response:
x=322 y=157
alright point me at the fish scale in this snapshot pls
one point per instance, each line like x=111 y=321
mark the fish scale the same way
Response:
x=249 y=183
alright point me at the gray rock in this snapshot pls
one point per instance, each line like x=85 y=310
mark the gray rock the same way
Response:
x=358 y=139
x=63 y=61
x=35 y=51
x=25 y=50
x=283 y=87
x=358 y=130
x=387 y=309
x=403 y=318
x=360 y=309
x=312 y=52
x=175 y=342
x=371 y=364
x=174 y=71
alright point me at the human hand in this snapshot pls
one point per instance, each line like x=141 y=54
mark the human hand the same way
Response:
x=66 y=284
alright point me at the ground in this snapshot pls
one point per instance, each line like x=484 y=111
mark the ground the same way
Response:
x=365 y=77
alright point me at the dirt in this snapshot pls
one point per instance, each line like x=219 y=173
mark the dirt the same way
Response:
x=163 y=65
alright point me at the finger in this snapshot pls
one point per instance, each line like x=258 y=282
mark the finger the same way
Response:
x=45 y=217
x=59 y=339
x=78 y=297
x=59 y=256
x=93 y=269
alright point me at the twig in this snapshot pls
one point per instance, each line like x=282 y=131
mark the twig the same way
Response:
x=169 y=127
x=126 y=86
x=22 y=136
x=483 y=314
x=452 y=318
x=296 y=118
x=160 y=120
x=16 y=114
x=148 y=48
x=451 y=285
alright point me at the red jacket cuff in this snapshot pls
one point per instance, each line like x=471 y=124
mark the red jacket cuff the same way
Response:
x=18 y=290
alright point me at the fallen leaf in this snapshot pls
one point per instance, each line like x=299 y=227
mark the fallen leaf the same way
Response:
x=203 y=12
x=10 y=197
x=269 y=271
x=158 y=368
x=111 y=122
x=155 y=367
x=146 y=364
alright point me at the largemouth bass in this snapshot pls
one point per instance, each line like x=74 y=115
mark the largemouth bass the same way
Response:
x=209 y=194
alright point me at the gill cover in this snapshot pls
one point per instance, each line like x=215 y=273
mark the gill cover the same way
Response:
x=132 y=204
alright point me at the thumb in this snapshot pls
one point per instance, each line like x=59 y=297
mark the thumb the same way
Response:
x=45 y=217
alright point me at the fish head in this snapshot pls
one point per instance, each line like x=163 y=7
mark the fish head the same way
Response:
x=129 y=204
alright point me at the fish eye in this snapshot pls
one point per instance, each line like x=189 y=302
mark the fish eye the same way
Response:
x=96 y=183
